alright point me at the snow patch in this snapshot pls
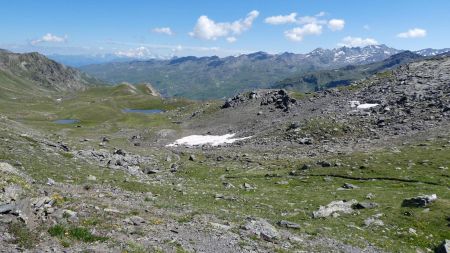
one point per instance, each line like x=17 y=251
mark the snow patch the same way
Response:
x=354 y=103
x=366 y=106
x=358 y=105
x=213 y=140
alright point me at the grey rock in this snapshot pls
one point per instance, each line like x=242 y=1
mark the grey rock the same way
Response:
x=92 y=178
x=6 y=208
x=306 y=167
x=262 y=228
x=325 y=164
x=419 y=201
x=288 y=224
x=50 y=181
x=374 y=220
x=349 y=186
x=306 y=141
x=334 y=208
x=365 y=205
x=444 y=247
x=12 y=192
x=136 y=220
x=150 y=171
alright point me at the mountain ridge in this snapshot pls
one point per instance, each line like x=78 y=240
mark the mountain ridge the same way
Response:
x=34 y=71
x=324 y=79
x=215 y=77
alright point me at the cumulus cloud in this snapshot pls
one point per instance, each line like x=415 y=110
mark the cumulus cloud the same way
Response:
x=139 y=52
x=357 y=42
x=336 y=24
x=208 y=29
x=307 y=25
x=413 y=33
x=49 y=38
x=298 y=33
x=280 y=19
x=163 y=30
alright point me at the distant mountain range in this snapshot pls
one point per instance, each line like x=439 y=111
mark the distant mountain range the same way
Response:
x=214 y=77
x=82 y=60
x=323 y=79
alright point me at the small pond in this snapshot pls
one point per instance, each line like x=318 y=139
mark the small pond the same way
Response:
x=145 y=111
x=66 y=121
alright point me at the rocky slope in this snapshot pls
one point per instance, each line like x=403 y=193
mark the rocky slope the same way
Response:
x=408 y=100
x=43 y=72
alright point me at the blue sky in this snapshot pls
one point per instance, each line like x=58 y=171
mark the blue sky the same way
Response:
x=176 y=27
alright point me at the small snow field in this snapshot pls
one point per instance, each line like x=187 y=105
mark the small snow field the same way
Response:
x=366 y=106
x=359 y=106
x=213 y=140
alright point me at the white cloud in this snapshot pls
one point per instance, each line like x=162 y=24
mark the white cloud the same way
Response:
x=298 y=33
x=163 y=30
x=280 y=19
x=50 y=38
x=357 y=42
x=208 y=29
x=231 y=39
x=293 y=18
x=413 y=33
x=336 y=24
x=139 y=52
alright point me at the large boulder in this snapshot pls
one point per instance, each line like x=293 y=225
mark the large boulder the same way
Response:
x=334 y=208
x=419 y=201
x=262 y=228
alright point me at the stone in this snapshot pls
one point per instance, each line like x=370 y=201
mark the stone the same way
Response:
x=92 y=178
x=306 y=141
x=70 y=215
x=306 y=167
x=288 y=224
x=136 y=220
x=370 y=196
x=349 y=186
x=325 y=164
x=335 y=207
x=50 y=181
x=192 y=158
x=6 y=208
x=150 y=171
x=262 y=228
x=12 y=192
x=365 y=205
x=444 y=247
x=374 y=220
x=247 y=186
x=419 y=201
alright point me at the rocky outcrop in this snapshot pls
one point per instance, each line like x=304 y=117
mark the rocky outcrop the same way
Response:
x=279 y=99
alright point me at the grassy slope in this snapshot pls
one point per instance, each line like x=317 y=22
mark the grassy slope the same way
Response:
x=99 y=110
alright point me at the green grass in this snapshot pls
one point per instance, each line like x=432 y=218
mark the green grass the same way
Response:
x=305 y=193
x=77 y=233
x=22 y=235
